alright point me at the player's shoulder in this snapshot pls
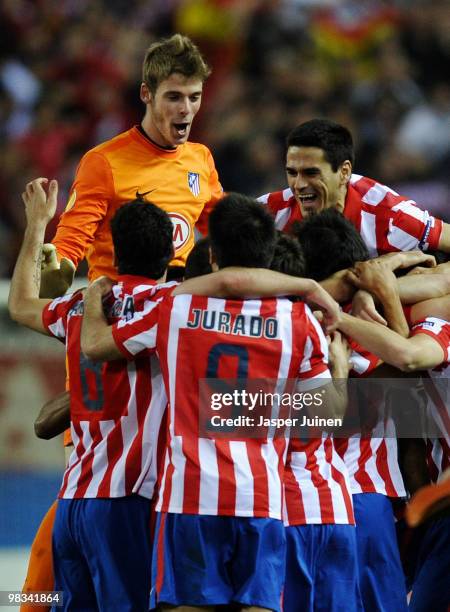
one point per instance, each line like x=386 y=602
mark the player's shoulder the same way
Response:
x=196 y=149
x=373 y=192
x=277 y=199
x=116 y=144
x=142 y=289
x=66 y=301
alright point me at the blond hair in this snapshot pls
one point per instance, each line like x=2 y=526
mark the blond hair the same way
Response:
x=175 y=54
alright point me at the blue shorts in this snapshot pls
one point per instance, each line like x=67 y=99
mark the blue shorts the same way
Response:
x=216 y=560
x=381 y=577
x=431 y=586
x=102 y=554
x=321 y=569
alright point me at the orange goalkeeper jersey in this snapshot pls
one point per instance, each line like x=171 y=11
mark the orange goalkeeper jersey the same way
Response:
x=182 y=181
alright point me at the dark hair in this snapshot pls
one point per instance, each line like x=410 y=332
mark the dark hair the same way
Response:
x=177 y=54
x=142 y=238
x=242 y=232
x=329 y=243
x=440 y=256
x=335 y=140
x=198 y=263
x=288 y=257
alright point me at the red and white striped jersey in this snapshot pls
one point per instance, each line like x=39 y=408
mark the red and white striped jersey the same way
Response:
x=372 y=462
x=386 y=221
x=316 y=484
x=438 y=457
x=197 y=338
x=116 y=407
x=437 y=387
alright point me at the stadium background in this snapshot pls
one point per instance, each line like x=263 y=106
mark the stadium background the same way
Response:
x=69 y=79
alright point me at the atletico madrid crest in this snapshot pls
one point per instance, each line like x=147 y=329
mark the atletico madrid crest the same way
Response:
x=194 y=182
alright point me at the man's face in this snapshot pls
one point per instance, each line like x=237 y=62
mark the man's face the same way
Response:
x=171 y=109
x=313 y=182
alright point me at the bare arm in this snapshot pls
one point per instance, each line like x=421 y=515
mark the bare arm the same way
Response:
x=420 y=352
x=339 y=351
x=406 y=259
x=438 y=307
x=418 y=287
x=444 y=241
x=54 y=417
x=97 y=341
x=24 y=304
x=252 y=282
x=338 y=286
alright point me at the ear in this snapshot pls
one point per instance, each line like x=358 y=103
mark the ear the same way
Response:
x=145 y=93
x=346 y=171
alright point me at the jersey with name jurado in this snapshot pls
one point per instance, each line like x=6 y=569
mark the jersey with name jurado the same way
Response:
x=183 y=182
x=386 y=220
x=437 y=387
x=197 y=338
x=116 y=407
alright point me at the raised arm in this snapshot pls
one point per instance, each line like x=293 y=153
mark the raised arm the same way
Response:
x=97 y=341
x=89 y=199
x=24 y=303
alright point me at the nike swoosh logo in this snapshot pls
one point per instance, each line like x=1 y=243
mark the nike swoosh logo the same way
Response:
x=139 y=196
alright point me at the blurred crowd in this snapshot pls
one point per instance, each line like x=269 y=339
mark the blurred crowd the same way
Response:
x=70 y=74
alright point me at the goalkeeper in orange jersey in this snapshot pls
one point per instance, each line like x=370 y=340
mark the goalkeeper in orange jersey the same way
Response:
x=152 y=159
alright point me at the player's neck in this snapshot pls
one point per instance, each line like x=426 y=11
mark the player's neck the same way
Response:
x=144 y=133
x=342 y=196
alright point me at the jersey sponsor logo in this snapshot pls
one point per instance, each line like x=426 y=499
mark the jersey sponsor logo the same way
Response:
x=242 y=325
x=194 y=182
x=181 y=230
x=71 y=202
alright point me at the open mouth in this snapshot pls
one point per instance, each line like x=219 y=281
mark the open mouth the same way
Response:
x=310 y=202
x=181 y=128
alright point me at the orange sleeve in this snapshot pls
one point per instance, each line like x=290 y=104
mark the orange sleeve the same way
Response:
x=90 y=195
x=216 y=194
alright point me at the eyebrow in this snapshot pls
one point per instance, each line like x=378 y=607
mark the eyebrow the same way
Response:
x=303 y=169
x=177 y=91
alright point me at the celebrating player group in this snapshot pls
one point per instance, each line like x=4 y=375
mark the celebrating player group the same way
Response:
x=176 y=495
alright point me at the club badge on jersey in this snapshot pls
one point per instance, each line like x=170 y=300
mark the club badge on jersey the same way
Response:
x=194 y=182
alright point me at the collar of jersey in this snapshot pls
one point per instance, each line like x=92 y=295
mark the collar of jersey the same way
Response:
x=160 y=151
x=352 y=206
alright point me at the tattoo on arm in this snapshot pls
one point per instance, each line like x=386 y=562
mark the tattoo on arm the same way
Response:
x=37 y=270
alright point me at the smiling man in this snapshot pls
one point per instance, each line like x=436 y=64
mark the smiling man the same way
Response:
x=151 y=158
x=319 y=164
